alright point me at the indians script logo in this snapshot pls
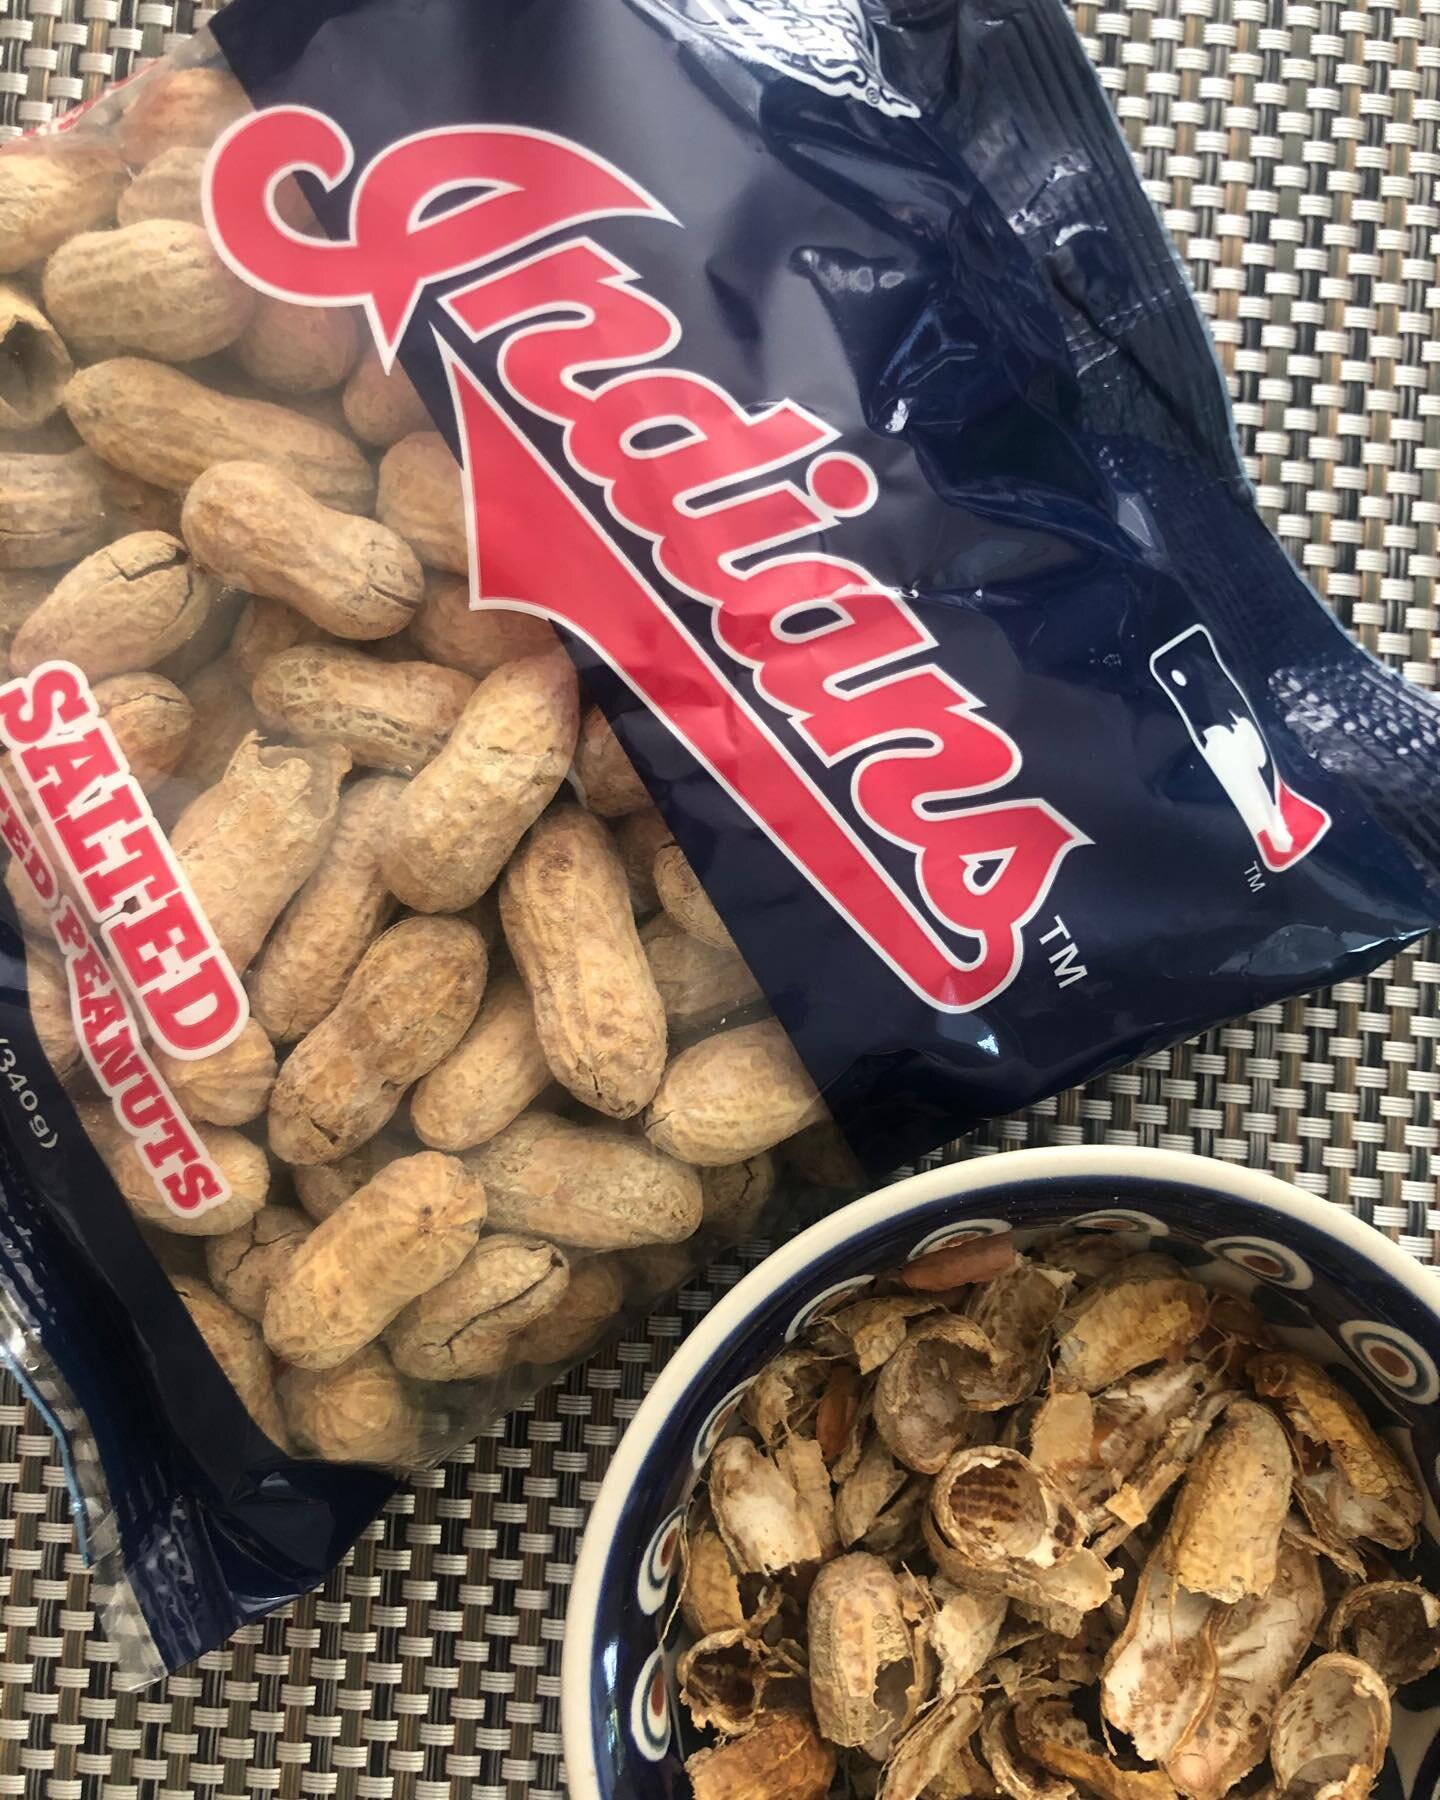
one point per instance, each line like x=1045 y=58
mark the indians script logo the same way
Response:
x=828 y=44
x=1224 y=729
x=868 y=764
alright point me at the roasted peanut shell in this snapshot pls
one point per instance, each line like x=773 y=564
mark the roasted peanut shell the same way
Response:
x=589 y=1186
x=392 y=716
x=35 y=362
x=408 y=1229
x=259 y=530
x=456 y=825
x=597 y=1010
x=461 y=1328
x=123 y=608
x=410 y=1000
x=732 y=1096
x=313 y=950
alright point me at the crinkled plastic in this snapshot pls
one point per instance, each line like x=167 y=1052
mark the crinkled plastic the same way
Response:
x=818 y=369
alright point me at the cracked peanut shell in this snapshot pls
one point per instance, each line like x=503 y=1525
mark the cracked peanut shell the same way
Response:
x=460 y=1328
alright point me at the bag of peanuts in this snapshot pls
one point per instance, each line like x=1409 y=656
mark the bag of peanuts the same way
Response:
x=618 y=613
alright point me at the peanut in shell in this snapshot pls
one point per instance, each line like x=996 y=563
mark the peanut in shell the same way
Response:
x=123 y=608
x=592 y=1187
x=593 y=1302
x=410 y=1000
x=362 y=1411
x=236 y=1344
x=172 y=107
x=297 y=349
x=698 y=984
x=409 y=1228
x=265 y=628
x=640 y=837
x=565 y=905
x=475 y=640
x=157 y=288
x=381 y=409
x=323 y=1187
x=245 y=1264
x=168 y=187
x=607 y=776
x=224 y=717
x=265 y=827
x=151 y=719
x=229 y=1086
x=392 y=716
x=731 y=1096
x=49 y=190
x=686 y=901
x=49 y=1002
x=312 y=952
x=496 y=1070
x=242 y=1163
x=461 y=1328
x=456 y=825
x=165 y=427
x=53 y=508
x=257 y=529
x=420 y=496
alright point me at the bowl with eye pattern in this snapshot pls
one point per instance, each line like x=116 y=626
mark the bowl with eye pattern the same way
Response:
x=1328 y=1285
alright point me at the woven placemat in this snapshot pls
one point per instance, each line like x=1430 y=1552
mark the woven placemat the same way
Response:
x=1294 y=151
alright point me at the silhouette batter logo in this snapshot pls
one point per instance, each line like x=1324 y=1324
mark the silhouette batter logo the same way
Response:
x=1224 y=729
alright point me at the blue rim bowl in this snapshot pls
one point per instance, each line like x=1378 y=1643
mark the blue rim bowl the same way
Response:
x=1328 y=1285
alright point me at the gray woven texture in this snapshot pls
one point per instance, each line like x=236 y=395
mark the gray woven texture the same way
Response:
x=1293 y=151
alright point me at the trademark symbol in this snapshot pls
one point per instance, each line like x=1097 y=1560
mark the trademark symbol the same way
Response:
x=1065 y=960
x=1254 y=880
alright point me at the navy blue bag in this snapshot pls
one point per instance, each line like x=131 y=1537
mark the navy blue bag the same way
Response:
x=820 y=368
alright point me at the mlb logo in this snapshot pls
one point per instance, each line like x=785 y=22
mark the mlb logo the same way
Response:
x=1284 y=825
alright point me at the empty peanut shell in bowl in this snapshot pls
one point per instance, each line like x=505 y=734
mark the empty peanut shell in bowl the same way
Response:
x=1068 y=1472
